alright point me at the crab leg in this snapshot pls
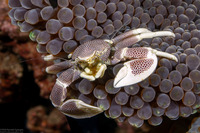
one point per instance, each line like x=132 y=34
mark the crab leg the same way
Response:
x=130 y=40
x=78 y=109
x=71 y=107
x=143 y=65
x=138 y=52
x=129 y=33
x=50 y=57
x=53 y=69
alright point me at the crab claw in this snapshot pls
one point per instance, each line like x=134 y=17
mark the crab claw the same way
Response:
x=135 y=71
x=78 y=109
x=59 y=91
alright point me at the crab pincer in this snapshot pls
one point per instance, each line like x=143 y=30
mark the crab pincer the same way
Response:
x=144 y=64
x=142 y=60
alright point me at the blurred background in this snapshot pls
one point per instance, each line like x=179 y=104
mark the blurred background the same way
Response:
x=25 y=89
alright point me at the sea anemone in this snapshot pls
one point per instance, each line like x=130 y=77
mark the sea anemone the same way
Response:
x=173 y=90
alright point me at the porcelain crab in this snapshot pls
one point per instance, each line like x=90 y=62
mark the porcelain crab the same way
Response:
x=90 y=60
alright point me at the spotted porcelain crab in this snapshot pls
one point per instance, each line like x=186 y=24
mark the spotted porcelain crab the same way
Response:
x=90 y=60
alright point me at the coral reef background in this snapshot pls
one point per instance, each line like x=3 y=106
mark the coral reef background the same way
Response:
x=25 y=87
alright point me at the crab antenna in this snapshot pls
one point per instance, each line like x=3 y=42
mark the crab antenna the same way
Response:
x=116 y=31
x=164 y=54
x=155 y=34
